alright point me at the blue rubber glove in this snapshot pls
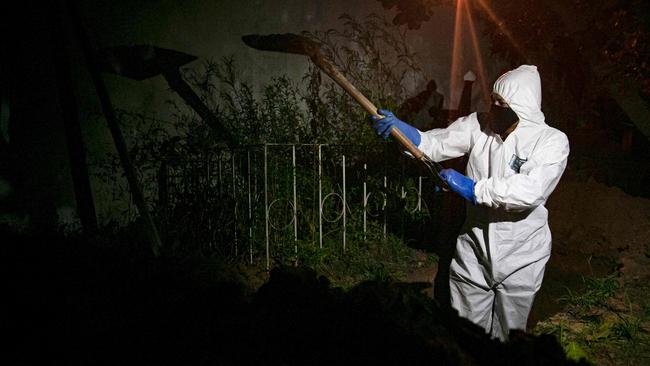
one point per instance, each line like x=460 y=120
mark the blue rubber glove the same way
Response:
x=459 y=183
x=383 y=126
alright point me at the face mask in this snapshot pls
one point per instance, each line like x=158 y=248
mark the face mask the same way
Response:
x=501 y=118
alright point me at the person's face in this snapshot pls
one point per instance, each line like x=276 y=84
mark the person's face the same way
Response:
x=502 y=118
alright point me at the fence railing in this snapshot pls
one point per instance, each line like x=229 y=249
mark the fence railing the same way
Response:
x=250 y=201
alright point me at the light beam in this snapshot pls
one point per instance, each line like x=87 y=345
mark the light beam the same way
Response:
x=477 y=55
x=456 y=54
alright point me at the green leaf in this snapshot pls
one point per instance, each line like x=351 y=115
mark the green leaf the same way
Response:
x=574 y=352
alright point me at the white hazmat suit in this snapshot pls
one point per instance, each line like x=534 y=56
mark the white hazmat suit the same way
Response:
x=505 y=242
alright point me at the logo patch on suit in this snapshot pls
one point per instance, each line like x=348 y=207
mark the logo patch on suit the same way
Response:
x=516 y=162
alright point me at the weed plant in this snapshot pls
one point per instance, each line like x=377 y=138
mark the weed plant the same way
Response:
x=607 y=323
x=199 y=189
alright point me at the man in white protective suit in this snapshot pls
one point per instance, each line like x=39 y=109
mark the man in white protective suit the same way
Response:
x=515 y=162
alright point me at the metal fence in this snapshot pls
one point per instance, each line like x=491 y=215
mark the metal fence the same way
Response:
x=250 y=201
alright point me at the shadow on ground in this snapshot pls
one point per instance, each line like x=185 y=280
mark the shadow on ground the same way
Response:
x=75 y=301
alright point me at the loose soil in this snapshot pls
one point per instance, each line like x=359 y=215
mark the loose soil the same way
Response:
x=596 y=230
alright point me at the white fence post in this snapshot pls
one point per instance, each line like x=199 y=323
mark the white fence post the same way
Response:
x=266 y=206
x=295 y=204
x=220 y=177
x=234 y=196
x=320 y=198
x=250 y=210
x=344 y=205
x=419 y=193
x=365 y=199
x=385 y=202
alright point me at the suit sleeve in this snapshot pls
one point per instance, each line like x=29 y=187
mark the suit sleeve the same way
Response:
x=447 y=143
x=536 y=181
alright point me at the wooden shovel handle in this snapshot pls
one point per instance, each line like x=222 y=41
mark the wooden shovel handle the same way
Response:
x=332 y=72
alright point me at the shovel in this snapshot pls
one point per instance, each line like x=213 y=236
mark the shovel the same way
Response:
x=296 y=44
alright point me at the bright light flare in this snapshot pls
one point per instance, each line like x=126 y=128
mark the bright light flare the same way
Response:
x=456 y=53
x=482 y=75
x=464 y=18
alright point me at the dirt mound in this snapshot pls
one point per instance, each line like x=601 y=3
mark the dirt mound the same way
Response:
x=77 y=301
x=595 y=226
x=596 y=230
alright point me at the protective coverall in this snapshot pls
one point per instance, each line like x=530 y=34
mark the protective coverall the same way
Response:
x=505 y=242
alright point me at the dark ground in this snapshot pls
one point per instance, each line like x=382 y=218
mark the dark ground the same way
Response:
x=76 y=301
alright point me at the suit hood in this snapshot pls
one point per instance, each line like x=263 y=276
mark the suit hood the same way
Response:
x=521 y=88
